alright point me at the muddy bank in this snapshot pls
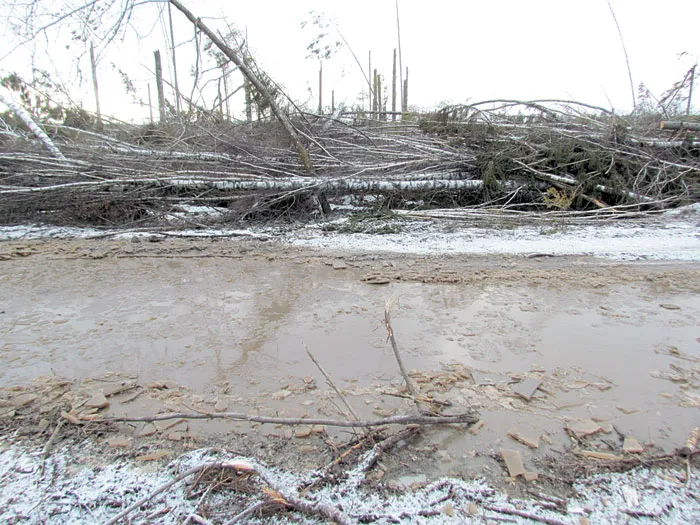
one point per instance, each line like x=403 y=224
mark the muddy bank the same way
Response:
x=221 y=326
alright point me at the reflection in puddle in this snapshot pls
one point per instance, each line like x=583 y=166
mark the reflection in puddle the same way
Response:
x=242 y=325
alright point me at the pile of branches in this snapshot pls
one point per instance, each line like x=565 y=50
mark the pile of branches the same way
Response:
x=507 y=155
x=584 y=157
x=132 y=175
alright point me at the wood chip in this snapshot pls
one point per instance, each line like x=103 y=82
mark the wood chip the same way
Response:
x=526 y=389
x=303 y=432
x=162 y=426
x=339 y=265
x=147 y=431
x=632 y=446
x=153 y=456
x=667 y=306
x=118 y=442
x=118 y=388
x=73 y=420
x=598 y=455
x=513 y=461
x=43 y=425
x=476 y=427
x=583 y=428
x=531 y=476
x=23 y=400
x=530 y=439
x=376 y=279
x=448 y=510
x=97 y=401
x=473 y=509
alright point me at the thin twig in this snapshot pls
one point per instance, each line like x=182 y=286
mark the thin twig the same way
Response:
x=387 y=322
x=164 y=487
x=337 y=390
x=49 y=445
x=247 y=512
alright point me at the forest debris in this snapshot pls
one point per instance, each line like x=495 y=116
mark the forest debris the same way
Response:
x=43 y=425
x=23 y=400
x=594 y=454
x=153 y=456
x=148 y=430
x=528 y=438
x=98 y=401
x=303 y=432
x=513 y=461
x=689 y=400
x=673 y=351
x=118 y=388
x=668 y=306
x=486 y=378
x=631 y=496
x=627 y=411
x=691 y=444
x=118 y=442
x=8 y=415
x=476 y=427
x=528 y=308
x=221 y=405
x=526 y=388
x=72 y=419
x=583 y=428
x=162 y=426
x=448 y=510
x=632 y=446
x=375 y=279
x=531 y=476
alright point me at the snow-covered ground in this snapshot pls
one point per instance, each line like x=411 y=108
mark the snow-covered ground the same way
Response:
x=672 y=236
x=66 y=492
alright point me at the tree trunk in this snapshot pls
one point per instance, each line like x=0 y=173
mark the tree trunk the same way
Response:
x=233 y=56
x=159 y=85
x=393 y=89
x=25 y=117
x=93 y=65
x=679 y=124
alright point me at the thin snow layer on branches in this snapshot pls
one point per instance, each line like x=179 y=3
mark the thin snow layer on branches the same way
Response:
x=70 y=493
x=648 y=239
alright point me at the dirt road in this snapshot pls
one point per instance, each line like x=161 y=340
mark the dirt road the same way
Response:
x=217 y=325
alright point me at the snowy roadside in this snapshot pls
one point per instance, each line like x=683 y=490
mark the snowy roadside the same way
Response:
x=673 y=240
x=67 y=492
x=671 y=236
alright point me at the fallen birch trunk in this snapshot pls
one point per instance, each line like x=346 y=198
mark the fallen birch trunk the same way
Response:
x=280 y=185
x=25 y=117
x=680 y=124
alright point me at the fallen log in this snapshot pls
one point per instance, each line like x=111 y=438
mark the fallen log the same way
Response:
x=281 y=185
x=679 y=124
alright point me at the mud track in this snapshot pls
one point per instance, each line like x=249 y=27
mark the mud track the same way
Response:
x=221 y=325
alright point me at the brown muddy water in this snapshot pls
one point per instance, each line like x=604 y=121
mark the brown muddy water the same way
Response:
x=236 y=328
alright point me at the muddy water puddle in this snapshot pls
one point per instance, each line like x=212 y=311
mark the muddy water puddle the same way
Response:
x=234 y=331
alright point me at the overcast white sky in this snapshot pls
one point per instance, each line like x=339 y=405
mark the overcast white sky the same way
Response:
x=455 y=50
